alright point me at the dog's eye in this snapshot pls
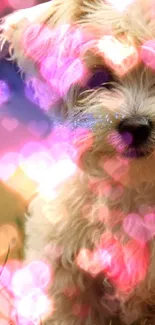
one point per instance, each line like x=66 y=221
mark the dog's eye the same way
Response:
x=100 y=78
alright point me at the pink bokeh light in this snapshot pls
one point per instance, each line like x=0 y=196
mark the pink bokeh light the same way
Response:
x=142 y=229
x=9 y=124
x=8 y=165
x=36 y=275
x=54 y=164
x=23 y=291
x=57 y=53
x=56 y=157
x=117 y=167
x=81 y=310
x=126 y=266
x=147 y=53
x=34 y=154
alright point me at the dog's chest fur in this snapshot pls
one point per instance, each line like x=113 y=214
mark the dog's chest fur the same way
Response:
x=125 y=201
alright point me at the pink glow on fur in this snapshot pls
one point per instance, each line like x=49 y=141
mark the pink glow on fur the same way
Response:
x=140 y=228
x=119 y=54
x=60 y=64
x=116 y=167
x=106 y=189
x=71 y=292
x=81 y=310
x=63 y=76
x=119 y=4
x=115 y=140
x=40 y=93
x=110 y=217
x=121 y=264
x=147 y=53
x=82 y=141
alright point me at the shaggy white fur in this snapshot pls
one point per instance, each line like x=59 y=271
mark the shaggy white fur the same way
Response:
x=99 y=207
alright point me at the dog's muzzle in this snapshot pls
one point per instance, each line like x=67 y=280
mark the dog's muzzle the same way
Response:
x=135 y=133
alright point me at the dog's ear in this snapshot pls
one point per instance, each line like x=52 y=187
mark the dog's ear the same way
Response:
x=29 y=34
x=13 y=28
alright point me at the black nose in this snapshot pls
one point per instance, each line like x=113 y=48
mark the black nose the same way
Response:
x=135 y=131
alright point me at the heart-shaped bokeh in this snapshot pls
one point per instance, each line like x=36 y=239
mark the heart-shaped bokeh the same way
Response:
x=141 y=229
x=125 y=265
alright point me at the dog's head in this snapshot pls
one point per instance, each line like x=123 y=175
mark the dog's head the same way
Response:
x=103 y=73
x=120 y=101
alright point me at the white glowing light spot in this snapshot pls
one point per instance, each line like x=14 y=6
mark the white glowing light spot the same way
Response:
x=120 y=54
x=34 y=155
x=119 y=4
x=26 y=280
x=58 y=173
x=33 y=306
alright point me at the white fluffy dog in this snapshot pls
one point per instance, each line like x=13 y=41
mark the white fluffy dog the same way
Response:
x=97 y=232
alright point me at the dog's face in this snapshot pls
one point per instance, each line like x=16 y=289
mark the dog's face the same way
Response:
x=120 y=101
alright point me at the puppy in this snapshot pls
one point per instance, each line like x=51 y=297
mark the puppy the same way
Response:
x=96 y=230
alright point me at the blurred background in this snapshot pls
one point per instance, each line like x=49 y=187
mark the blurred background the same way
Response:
x=21 y=119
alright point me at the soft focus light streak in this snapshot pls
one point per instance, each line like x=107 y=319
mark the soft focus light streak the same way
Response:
x=120 y=55
x=5 y=93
